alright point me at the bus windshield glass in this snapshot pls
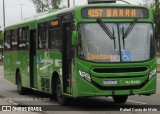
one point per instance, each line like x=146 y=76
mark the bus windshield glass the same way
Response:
x=96 y=46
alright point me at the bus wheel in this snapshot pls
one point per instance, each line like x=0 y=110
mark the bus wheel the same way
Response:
x=21 y=90
x=62 y=100
x=120 y=98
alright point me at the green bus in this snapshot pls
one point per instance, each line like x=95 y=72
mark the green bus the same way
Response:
x=86 y=51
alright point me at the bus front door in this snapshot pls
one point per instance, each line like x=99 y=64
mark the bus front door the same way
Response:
x=32 y=59
x=66 y=57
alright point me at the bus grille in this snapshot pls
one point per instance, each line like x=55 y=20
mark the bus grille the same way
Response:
x=119 y=70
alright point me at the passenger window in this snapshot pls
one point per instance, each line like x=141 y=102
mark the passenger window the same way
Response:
x=14 y=36
x=55 y=41
x=43 y=36
x=23 y=39
x=7 y=41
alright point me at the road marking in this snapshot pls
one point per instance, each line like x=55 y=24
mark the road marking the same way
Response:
x=13 y=103
x=136 y=102
x=133 y=101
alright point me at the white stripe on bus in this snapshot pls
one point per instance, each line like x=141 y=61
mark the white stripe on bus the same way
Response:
x=46 y=66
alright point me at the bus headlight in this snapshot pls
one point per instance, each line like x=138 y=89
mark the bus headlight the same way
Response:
x=152 y=73
x=85 y=75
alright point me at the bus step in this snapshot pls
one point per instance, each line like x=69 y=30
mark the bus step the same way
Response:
x=34 y=89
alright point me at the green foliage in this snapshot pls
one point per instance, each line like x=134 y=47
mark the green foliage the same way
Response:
x=1 y=38
x=45 y=5
x=157 y=19
x=157 y=23
x=148 y=3
x=155 y=5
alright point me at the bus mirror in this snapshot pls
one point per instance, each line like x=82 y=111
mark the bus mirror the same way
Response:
x=74 y=38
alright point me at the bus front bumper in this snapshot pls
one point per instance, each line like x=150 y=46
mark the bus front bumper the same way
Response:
x=84 y=88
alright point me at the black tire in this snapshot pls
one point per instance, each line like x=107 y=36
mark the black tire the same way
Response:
x=21 y=90
x=62 y=100
x=120 y=98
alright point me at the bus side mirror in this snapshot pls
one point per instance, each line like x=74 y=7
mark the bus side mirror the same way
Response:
x=74 y=38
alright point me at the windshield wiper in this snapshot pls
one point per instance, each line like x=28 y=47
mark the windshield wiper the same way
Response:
x=107 y=31
x=128 y=31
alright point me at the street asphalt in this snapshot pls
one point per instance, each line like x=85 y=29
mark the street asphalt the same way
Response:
x=97 y=105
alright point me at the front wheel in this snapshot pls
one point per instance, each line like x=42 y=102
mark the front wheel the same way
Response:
x=120 y=98
x=62 y=100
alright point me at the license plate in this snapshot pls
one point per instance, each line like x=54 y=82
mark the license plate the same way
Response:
x=110 y=82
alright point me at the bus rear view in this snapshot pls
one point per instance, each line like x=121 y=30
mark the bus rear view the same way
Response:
x=116 y=53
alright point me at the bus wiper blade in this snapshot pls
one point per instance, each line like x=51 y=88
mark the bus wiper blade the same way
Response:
x=107 y=31
x=125 y=35
x=128 y=31
x=114 y=39
x=105 y=28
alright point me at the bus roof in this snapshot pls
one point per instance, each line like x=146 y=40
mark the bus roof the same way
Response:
x=40 y=17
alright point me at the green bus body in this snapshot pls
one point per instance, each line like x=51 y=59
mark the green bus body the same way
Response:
x=39 y=69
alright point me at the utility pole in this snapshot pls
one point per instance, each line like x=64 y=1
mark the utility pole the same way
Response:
x=73 y=2
x=4 y=23
x=68 y=3
x=21 y=12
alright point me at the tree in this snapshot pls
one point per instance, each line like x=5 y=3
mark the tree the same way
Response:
x=155 y=5
x=44 y=5
x=148 y=3
x=157 y=24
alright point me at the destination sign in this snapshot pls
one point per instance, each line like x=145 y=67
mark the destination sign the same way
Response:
x=101 y=1
x=114 y=13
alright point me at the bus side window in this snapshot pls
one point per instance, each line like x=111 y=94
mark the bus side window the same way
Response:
x=14 y=36
x=55 y=41
x=23 y=39
x=43 y=36
x=7 y=41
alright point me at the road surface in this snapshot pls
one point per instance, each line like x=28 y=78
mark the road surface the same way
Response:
x=9 y=96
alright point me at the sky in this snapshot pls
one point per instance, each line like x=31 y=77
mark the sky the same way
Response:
x=13 y=9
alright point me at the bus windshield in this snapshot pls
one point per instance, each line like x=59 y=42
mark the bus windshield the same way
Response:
x=95 y=45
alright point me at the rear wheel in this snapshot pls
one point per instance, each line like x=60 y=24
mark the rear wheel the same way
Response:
x=62 y=100
x=21 y=90
x=120 y=98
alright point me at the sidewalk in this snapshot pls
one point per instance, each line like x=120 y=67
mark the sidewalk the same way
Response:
x=158 y=63
x=1 y=70
x=158 y=60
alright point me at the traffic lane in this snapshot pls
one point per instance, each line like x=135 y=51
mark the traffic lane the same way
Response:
x=150 y=100
x=9 y=91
